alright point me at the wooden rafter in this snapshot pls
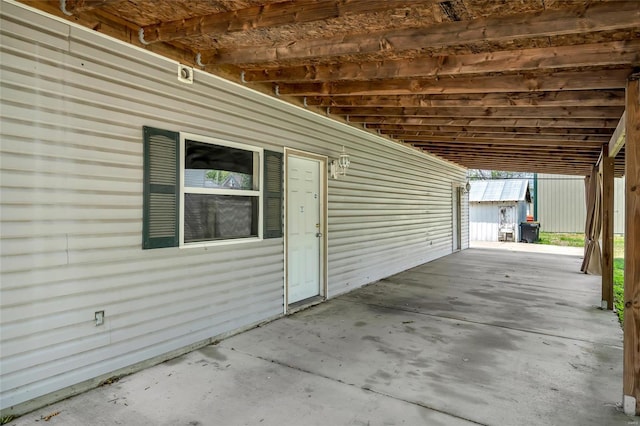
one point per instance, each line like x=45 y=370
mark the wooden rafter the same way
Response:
x=263 y=16
x=615 y=15
x=524 y=157
x=473 y=112
x=523 y=160
x=515 y=158
x=524 y=164
x=580 y=170
x=583 y=98
x=551 y=139
x=489 y=131
x=534 y=82
x=510 y=141
x=506 y=150
x=492 y=122
x=617 y=139
x=548 y=58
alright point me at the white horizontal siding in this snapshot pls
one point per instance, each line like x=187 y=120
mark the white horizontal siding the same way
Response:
x=73 y=106
x=561 y=204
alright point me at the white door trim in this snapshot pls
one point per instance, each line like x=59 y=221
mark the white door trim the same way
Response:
x=456 y=218
x=323 y=161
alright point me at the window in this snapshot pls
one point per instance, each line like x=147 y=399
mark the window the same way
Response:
x=200 y=190
x=221 y=190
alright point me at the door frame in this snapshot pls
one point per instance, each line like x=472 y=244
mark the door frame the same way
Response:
x=323 y=184
x=456 y=218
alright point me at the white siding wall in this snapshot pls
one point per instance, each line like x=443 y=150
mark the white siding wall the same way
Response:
x=561 y=203
x=73 y=107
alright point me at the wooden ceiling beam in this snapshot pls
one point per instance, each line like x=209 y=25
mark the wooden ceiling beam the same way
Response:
x=618 y=138
x=506 y=150
x=492 y=122
x=474 y=112
x=615 y=15
x=529 y=161
x=535 y=82
x=473 y=149
x=519 y=142
x=582 y=98
x=550 y=153
x=496 y=136
x=461 y=130
x=540 y=165
x=547 y=58
x=263 y=16
x=532 y=162
x=530 y=167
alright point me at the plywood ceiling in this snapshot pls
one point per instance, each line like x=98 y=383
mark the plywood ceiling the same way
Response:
x=519 y=85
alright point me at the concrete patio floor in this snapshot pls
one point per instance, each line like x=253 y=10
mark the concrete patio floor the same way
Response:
x=484 y=336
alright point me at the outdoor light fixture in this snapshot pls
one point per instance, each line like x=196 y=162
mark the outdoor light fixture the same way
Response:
x=465 y=187
x=339 y=167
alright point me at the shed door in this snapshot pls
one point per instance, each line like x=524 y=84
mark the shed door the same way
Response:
x=507 y=223
x=304 y=234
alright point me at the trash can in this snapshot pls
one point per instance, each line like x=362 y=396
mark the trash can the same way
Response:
x=529 y=232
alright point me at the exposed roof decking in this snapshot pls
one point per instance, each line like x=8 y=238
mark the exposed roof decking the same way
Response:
x=450 y=73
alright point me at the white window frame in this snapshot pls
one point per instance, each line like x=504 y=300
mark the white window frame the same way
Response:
x=257 y=171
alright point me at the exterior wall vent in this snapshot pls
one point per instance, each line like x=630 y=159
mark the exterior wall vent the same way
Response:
x=185 y=74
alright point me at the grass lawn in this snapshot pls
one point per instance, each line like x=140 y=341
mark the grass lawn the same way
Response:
x=577 y=240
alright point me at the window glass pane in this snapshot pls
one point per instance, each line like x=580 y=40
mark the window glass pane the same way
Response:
x=215 y=217
x=215 y=166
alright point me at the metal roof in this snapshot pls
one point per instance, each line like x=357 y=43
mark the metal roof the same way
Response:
x=499 y=190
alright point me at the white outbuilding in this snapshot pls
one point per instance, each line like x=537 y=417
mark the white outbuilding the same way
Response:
x=496 y=209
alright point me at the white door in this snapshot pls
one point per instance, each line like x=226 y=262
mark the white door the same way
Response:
x=303 y=228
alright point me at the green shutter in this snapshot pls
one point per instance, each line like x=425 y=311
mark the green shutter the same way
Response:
x=272 y=194
x=161 y=188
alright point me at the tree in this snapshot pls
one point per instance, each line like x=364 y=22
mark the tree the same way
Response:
x=478 y=174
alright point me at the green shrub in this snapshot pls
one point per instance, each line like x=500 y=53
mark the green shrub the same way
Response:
x=618 y=287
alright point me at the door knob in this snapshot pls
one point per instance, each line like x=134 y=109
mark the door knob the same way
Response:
x=319 y=234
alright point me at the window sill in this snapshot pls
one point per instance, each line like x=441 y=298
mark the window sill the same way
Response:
x=208 y=244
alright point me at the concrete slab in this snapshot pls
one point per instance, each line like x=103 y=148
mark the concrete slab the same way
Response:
x=479 y=337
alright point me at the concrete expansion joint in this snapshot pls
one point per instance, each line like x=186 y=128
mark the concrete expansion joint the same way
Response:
x=420 y=404
x=522 y=330
x=293 y=367
x=364 y=388
x=495 y=281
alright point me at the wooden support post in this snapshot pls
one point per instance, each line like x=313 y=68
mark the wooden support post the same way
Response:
x=631 y=369
x=607 y=165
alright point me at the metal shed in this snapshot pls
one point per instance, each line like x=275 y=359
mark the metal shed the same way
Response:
x=561 y=203
x=497 y=207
